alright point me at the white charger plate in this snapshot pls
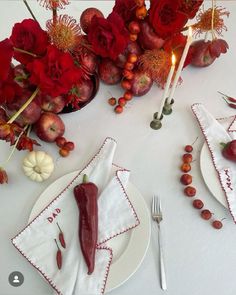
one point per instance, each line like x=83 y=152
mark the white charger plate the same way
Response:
x=129 y=248
x=210 y=175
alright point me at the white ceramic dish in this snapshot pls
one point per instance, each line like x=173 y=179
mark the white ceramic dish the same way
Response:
x=129 y=248
x=210 y=175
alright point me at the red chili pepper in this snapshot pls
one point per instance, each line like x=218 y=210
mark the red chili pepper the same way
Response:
x=61 y=237
x=232 y=105
x=229 y=150
x=58 y=256
x=86 y=198
x=231 y=99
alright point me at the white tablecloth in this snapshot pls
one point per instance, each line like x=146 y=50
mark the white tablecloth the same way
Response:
x=199 y=259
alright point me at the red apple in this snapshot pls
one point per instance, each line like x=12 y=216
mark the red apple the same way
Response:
x=84 y=89
x=109 y=72
x=148 y=38
x=52 y=104
x=21 y=76
x=30 y=115
x=141 y=83
x=88 y=61
x=3 y=115
x=86 y=17
x=49 y=127
x=201 y=56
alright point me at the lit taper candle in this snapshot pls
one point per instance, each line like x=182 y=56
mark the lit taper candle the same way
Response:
x=181 y=64
x=167 y=87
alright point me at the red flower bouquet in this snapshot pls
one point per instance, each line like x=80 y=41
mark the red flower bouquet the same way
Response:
x=47 y=71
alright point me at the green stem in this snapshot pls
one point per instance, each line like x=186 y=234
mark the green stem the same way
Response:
x=212 y=20
x=23 y=107
x=29 y=130
x=14 y=147
x=85 y=178
x=223 y=145
x=29 y=9
x=225 y=100
x=24 y=51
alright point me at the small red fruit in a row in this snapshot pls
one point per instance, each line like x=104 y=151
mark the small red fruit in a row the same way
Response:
x=65 y=146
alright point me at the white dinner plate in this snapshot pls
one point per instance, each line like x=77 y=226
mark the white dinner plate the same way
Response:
x=210 y=175
x=129 y=248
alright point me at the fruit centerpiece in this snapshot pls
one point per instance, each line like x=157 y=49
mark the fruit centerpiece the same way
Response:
x=45 y=72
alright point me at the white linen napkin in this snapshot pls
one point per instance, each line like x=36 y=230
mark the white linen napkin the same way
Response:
x=116 y=215
x=215 y=134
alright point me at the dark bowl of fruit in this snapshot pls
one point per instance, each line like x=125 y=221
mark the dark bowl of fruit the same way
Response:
x=86 y=90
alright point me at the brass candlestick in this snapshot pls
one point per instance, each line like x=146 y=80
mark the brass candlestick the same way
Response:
x=156 y=122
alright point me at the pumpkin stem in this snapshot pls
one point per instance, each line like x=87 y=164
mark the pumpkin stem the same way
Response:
x=37 y=169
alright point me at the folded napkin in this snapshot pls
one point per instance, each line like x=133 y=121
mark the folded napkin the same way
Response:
x=215 y=133
x=116 y=215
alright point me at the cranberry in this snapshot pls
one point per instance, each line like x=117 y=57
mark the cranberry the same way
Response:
x=118 y=109
x=190 y=191
x=134 y=27
x=60 y=141
x=64 y=152
x=217 y=224
x=133 y=37
x=69 y=146
x=187 y=158
x=112 y=101
x=128 y=74
x=129 y=66
x=132 y=57
x=128 y=95
x=198 y=204
x=206 y=214
x=126 y=84
x=122 y=101
x=186 y=179
x=185 y=167
x=188 y=148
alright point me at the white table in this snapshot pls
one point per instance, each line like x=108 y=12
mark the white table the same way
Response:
x=199 y=259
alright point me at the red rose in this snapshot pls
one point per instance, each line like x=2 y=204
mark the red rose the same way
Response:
x=166 y=18
x=190 y=7
x=55 y=73
x=6 y=53
x=108 y=37
x=125 y=9
x=29 y=36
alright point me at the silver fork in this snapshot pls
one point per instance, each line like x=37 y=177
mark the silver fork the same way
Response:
x=158 y=217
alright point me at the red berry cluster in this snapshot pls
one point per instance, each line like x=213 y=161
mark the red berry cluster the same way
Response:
x=134 y=29
x=65 y=146
x=125 y=83
x=190 y=191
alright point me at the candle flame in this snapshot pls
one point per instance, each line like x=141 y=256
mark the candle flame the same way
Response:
x=173 y=59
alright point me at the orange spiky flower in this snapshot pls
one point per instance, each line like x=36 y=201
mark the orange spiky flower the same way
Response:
x=156 y=63
x=211 y=20
x=53 y=4
x=65 y=33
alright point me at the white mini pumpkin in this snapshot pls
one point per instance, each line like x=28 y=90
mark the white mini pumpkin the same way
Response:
x=38 y=165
